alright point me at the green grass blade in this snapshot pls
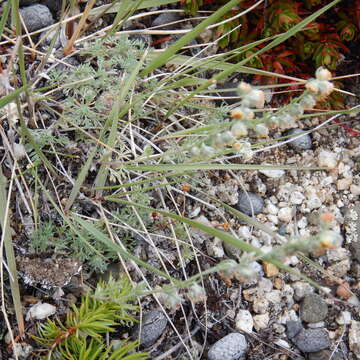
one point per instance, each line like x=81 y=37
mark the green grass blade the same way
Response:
x=12 y=96
x=167 y=54
x=10 y=256
x=4 y=16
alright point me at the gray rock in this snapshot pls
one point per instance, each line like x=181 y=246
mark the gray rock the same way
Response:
x=293 y=328
x=313 y=308
x=153 y=325
x=302 y=143
x=36 y=17
x=312 y=340
x=165 y=18
x=248 y=200
x=231 y=347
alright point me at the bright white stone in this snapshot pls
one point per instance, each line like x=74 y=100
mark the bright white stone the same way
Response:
x=40 y=311
x=275 y=174
x=244 y=321
x=355 y=189
x=285 y=214
x=272 y=209
x=261 y=321
x=260 y=305
x=273 y=218
x=344 y=184
x=314 y=202
x=297 y=198
x=344 y=318
x=327 y=159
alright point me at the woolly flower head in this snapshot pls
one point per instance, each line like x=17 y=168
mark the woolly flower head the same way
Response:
x=323 y=74
x=330 y=239
x=242 y=113
x=244 y=88
x=196 y=293
x=239 y=129
x=171 y=299
x=255 y=98
x=251 y=97
x=321 y=86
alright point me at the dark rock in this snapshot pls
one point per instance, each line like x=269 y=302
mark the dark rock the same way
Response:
x=165 y=18
x=293 y=328
x=231 y=347
x=302 y=143
x=313 y=308
x=312 y=340
x=153 y=325
x=249 y=201
x=36 y=17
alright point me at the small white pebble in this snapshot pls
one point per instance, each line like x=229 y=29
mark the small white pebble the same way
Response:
x=273 y=219
x=275 y=174
x=355 y=189
x=282 y=343
x=285 y=214
x=327 y=159
x=302 y=223
x=40 y=311
x=244 y=321
x=296 y=198
x=261 y=321
x=344 y=318
x=344 y=184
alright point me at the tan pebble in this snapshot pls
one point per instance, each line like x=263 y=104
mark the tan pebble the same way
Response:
x=270 y=269
x=344 y=184
x=278 y=283
x=343 y=290
x=355 y=189
x=296 y=307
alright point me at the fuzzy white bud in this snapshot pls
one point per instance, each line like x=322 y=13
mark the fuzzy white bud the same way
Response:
x=244 y=88
x=242 y=113
x=312 y=85
x=307 y=102
x=323 y=74
x=239 y=129
x=255 y=98
x=227 y=137
x=261 y=130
